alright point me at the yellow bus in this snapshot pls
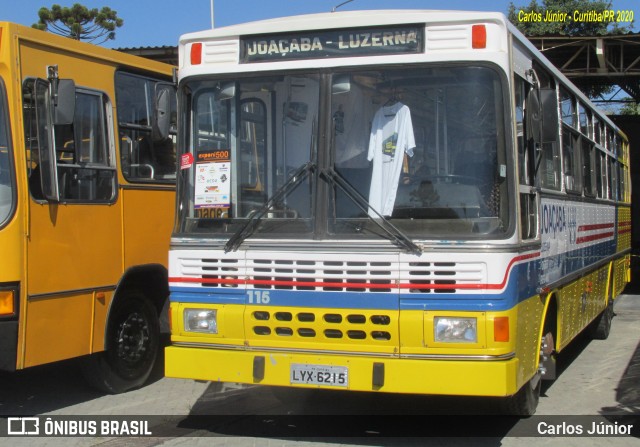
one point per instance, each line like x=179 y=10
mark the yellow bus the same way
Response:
x=390 y=201
x=87 y=187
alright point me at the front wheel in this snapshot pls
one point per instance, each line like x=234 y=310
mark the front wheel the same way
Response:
x=525 y=401
x=131 y=346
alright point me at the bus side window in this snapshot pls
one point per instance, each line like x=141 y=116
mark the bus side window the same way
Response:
x=145 y=154
x=86 y=171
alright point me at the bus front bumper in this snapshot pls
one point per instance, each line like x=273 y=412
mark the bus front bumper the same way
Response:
x=468 y=377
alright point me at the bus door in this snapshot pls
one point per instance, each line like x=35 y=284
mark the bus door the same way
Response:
x=74 y=246
x=253 y=148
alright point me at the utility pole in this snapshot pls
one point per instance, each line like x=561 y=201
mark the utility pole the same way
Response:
x=212 y=22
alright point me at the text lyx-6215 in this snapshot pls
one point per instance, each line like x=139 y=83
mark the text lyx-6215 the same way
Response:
x=319 y=375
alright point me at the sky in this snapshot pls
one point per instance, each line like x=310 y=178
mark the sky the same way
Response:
x=162 y=22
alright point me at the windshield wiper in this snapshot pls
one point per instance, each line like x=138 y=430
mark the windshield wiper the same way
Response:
x=397 y=236
x=245 y=231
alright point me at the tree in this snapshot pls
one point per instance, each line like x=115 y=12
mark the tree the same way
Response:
x=630 y=108
x=566 y=18
x=80 y=22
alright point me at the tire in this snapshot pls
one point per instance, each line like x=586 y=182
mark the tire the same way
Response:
x=601 y=326
x=525 y=401
x=131 y=346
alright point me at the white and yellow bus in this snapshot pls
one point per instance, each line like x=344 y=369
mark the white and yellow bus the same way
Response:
x=87 y=195
x=390 y=201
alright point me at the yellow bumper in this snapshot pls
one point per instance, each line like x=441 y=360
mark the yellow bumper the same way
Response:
x=396 y=375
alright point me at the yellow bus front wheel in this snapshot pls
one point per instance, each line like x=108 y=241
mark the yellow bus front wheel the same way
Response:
x=131 y=346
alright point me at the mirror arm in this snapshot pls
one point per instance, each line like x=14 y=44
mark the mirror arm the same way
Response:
x=52 y=76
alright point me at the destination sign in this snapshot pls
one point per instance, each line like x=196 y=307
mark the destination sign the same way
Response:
x=407 y=39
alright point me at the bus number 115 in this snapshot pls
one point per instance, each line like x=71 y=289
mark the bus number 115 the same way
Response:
x=259 y=296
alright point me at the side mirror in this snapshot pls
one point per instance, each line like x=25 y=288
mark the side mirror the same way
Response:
x=542 y=115
x=534 y=115
x=165 y=98
x=341 y=84
x=549 y=103
x=64 y=107
x=226 y=91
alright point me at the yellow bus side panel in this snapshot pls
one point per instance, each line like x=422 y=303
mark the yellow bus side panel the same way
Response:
x=147 y=228
x=73 y=247
x=528 y=332
x=579 y=303
x=624 y=229
x=58 y=328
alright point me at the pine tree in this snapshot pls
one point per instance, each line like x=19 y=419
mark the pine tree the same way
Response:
x=79 y=22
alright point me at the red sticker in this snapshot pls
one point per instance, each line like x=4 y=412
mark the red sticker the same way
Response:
x=186 y=161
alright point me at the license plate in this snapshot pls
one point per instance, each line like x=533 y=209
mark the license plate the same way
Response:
x=319 y=375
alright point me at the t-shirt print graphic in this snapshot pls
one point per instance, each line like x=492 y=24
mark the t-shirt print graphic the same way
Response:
x=389 y=146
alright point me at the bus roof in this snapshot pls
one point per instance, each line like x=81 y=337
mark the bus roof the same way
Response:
x=372 y=18
x=81 y=48
x=344 y=19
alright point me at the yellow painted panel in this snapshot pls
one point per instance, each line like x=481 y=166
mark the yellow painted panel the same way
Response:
x=148 y=224
x=470 y=378
x=57 y=328
x=102 y=301
x=73 y=247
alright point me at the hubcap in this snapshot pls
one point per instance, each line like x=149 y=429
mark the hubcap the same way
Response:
x=133 y=338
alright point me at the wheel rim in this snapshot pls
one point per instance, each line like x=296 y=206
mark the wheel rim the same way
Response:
x=133 y=338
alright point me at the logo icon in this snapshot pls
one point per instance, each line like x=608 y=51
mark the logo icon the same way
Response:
x=23 y=426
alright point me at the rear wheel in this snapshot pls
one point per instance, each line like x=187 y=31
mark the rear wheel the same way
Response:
x=601 y=326
x=132 y=346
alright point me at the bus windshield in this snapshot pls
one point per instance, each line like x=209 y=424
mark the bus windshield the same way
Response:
x=423 y=148
x=6 y=184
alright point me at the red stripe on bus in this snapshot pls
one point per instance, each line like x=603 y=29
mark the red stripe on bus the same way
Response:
x=358 y=285
x=593 y=237
x=595 y=227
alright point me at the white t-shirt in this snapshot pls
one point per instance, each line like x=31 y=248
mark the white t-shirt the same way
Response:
x=391 y=137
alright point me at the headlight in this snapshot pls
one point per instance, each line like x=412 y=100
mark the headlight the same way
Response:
x=456 y=330
x=201 y=320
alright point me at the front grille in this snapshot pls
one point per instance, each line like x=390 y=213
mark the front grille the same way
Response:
x=341 y=273
x=329 y=326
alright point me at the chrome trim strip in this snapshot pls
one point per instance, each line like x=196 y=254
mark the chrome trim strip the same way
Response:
x=281 y=350
x=169 y=186
x=44 y=296
x=340 y=246
x=484 y=358
x=447 y=357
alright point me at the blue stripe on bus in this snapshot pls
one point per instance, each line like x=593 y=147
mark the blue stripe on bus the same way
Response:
x=290 y=298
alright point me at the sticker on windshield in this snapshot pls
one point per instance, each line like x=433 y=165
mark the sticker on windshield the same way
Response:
x=213 y=180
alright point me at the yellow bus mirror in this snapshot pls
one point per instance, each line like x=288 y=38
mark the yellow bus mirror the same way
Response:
x=65 y=108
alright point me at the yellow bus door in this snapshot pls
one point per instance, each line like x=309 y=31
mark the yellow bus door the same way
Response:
x=74 y=244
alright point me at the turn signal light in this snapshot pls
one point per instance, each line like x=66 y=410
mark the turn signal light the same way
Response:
x=501 y=329
x=7 y=303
